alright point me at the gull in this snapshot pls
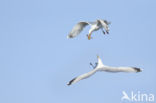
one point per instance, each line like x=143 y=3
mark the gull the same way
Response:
x=99 y=66
x=98 y=24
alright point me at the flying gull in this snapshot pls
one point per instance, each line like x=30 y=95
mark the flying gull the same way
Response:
x=98 y=24
x=101 y=67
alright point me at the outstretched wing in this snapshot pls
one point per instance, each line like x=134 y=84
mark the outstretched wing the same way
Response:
x=77 y=29
x=83 y=76
x=121 y=69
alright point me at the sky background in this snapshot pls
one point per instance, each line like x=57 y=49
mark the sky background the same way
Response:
x=37 y=60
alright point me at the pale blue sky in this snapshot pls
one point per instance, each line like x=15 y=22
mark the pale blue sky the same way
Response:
x=37 y=60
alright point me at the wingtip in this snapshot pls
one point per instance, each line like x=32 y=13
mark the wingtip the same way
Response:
x=68 y=84
x=137 y=69
x=70 y=36
x=109 y=22
x=71 y=82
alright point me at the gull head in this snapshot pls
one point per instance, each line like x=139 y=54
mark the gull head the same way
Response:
x=98 y=56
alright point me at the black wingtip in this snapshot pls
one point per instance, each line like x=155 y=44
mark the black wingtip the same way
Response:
x=70 y=36
x=70 y=82
x=137 y=69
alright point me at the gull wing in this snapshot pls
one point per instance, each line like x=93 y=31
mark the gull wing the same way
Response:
x=121 y=69
x=83 y=76
x=129 y=69
x=92 y=23
x=77 y=29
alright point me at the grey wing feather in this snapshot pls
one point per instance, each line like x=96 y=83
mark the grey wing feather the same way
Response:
x=107 y=22
x=92 y=23
x=77 y=29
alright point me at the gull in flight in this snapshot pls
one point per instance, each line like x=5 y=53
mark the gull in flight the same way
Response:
x=99 y=66
x=98 y=24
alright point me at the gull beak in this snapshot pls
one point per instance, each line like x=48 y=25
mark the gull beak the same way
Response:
x=98 y=56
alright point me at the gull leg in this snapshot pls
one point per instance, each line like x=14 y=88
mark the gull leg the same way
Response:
x=103 y=31
x=107 y=32
x=96 y=64
x=92 y=65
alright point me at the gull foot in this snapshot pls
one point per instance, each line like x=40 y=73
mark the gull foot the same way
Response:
x=107 y=32
x=103 y=32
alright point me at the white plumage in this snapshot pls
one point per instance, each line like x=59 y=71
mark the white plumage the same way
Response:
x=101 y=67
x=98 y=24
